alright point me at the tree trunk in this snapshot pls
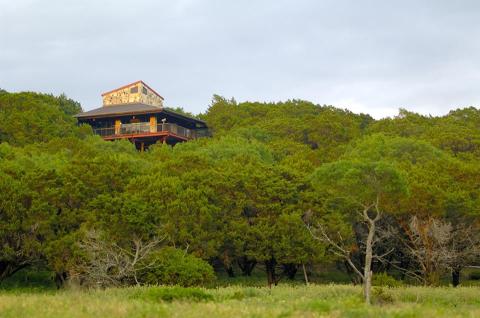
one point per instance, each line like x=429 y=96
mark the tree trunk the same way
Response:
x=229 y=270
x=270 y=267
x=4 y=266
x=305 y=274
x=60 y=279
x=7 y=269
x=456 y=277
x=367 y=272
x=246 y=265
x=290 y=270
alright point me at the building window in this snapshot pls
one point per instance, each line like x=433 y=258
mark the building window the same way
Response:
x=134 y=90
x=144 y=90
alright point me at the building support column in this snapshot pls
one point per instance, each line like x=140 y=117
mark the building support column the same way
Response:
x=153 y=124
x=118 y=125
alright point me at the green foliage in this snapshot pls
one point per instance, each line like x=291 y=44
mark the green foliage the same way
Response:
x=171 y=266
x=244 y=194
x=181 y=111
x=27 y=118
x=243 y=293
x=169 y=294
x=29 y=280
x=457 y=133
x=68 y=105
x=385 y=280
x=360 y=183
x=382 y=296
x=319 y=127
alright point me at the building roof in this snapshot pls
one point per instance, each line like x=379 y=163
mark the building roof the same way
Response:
x=131 y=109
x=119 y=110
x=125 y=86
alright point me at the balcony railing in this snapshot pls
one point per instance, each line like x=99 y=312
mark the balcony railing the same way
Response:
x=135 y=128
x=146 y=128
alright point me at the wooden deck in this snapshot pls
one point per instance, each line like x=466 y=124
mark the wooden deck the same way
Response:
x=146 y=135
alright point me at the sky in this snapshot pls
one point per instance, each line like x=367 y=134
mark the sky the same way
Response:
x=367 y=56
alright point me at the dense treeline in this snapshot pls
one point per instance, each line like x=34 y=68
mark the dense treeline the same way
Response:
x=279 y=186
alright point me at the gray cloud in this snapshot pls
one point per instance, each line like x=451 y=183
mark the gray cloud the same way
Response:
x=368 y=56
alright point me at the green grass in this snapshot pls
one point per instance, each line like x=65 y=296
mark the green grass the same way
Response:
x=241 y=301
x=32 y=293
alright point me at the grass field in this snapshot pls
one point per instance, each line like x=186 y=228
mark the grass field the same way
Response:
x=237 y=301
x=31 y=293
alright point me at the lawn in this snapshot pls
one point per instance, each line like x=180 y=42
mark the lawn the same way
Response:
x=240 y=301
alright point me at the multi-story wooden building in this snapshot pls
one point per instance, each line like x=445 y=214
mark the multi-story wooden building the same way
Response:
x=136 y=112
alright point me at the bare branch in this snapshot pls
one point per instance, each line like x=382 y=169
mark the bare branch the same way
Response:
x=338 y=250
x=109 y=264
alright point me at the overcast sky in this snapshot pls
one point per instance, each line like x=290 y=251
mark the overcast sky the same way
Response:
x=367 y=56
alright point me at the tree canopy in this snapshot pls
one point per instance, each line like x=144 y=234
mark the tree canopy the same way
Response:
x=244 y=197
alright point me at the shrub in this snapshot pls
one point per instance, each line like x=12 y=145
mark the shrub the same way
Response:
x=175 y=267
x=383 y=279
x=243 y=293
x=171 y=294
x=382 y=296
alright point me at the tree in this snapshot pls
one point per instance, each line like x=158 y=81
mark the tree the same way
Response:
x=323 y=128
x=240 y=197
x=428 y=244
x=25 y=209
x=438 y=245
x=371 y=189
x=105 y=263
x=27 y=118
x=294 y=246
x=464 y=248
x=68 y=105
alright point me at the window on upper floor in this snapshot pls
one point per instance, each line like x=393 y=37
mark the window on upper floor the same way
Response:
x=144 y=90
x=134 y=90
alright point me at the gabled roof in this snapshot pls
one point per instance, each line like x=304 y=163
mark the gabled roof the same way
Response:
x=131 y=109
x=131 y=84
x=119 y=110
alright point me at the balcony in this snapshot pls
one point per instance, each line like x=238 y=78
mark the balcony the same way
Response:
x=145 y=129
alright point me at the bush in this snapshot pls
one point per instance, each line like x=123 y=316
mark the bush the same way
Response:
x=26 y=118
x=382 y=296
x=171 y=293
x=383 y=279
x=175 y=267
x=245 y=293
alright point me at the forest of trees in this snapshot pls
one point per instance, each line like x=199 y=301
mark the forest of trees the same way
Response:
x=279 y=187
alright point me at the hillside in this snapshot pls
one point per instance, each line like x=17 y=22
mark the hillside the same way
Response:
x=248 y=198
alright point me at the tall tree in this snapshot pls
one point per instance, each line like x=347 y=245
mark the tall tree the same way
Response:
x=371 y=189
